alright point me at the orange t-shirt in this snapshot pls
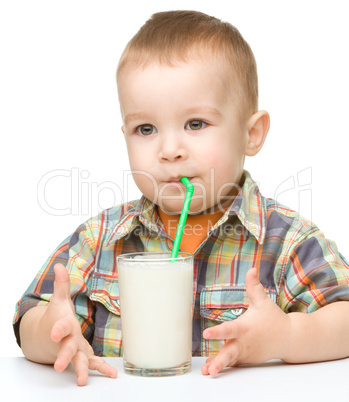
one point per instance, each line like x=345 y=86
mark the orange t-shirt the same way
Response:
x=195 y=230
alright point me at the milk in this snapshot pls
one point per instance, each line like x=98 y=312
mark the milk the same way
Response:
x=156 y=311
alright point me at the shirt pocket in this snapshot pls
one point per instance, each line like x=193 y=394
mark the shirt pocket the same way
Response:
x=226 y=303
x=105 y=290
x=223 y=303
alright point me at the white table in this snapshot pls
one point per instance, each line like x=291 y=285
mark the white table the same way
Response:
x=21 y=380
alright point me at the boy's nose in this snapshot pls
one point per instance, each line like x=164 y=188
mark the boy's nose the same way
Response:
x=172 y=149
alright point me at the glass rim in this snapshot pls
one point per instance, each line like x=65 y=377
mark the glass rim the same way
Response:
x=182 y=256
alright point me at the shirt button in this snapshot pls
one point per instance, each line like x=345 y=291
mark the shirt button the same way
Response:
x=237 y=311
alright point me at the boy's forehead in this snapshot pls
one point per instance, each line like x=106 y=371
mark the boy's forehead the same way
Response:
x=191 y=80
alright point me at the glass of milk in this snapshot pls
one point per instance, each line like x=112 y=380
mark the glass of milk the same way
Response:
x=156 y=301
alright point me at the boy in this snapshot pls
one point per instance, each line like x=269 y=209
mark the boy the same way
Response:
x=188 y=93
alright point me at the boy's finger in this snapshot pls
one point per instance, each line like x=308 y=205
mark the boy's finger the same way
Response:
x=226 y=330
x=68 y=349
x=62 y=283
x=254 y=288
x=204 y=368
x=227 y=356
x=61 y=329
x=80 y=363
x=97 y=363
x=208 y=360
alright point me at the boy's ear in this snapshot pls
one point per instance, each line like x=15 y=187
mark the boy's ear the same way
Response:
x=257 y=129
x=123 y=129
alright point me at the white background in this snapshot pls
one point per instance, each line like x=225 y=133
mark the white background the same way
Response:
x=59 y=114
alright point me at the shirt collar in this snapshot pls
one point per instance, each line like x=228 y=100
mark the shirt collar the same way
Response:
x=140 y=211
x=249 y=206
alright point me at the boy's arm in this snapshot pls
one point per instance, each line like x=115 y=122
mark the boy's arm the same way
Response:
x=52 y=334
x=321 y=335
x=265 y=332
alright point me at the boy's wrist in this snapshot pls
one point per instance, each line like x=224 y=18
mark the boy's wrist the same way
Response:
x=281 y=338
x=36 y=342
x=286 y=345
x=295 y=349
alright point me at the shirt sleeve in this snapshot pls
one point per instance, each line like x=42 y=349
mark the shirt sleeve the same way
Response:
x=316 y=274
x=77 y=254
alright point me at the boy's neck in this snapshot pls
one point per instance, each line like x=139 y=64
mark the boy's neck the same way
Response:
x=195 y=230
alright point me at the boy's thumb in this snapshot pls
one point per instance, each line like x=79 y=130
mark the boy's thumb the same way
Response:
x=61 y=286
x=254 y=288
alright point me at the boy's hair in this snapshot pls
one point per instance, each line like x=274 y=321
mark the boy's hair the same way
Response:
x=179 y=36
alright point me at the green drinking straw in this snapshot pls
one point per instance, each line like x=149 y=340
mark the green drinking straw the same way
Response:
x=183 y=217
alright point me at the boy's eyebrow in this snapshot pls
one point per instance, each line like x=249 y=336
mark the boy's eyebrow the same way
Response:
x=203 y=109
x=192 y=110
x=135 y=116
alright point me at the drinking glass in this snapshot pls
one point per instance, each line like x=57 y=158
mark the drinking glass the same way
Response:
x=156 y=301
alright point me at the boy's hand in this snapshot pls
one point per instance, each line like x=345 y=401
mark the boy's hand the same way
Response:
x=260 y=334
x=69 y=343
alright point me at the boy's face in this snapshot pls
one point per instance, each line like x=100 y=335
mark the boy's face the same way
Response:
x=183 y=121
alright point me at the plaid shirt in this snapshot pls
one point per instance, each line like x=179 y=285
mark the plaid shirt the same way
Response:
x=299 y=268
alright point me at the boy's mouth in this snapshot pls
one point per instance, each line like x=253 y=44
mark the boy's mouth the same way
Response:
x=177 y=180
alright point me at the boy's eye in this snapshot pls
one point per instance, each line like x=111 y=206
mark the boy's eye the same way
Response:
x=146 y=129
x=195 y=125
